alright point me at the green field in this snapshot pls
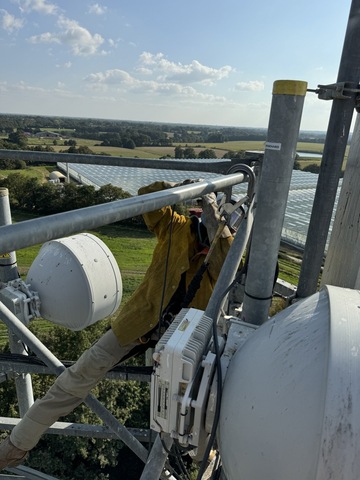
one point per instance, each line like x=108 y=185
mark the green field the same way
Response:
x=221 y=148
x=41 y=173
x=156 y=152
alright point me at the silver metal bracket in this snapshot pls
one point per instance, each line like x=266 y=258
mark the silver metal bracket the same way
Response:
x=334 y=90
x=20 y=300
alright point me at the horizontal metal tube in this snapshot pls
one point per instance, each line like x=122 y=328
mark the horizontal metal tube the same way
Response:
x=39 y=230
x=83 y=430
x=23 y=367
x=211 y=165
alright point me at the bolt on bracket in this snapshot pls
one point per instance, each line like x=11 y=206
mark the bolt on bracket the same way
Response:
x=335 y=90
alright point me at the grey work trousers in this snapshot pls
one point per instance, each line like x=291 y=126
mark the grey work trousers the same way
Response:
x=69 y=390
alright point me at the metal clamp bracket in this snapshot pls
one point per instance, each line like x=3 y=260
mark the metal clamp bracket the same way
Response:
x=23 y=302
x=334 y=90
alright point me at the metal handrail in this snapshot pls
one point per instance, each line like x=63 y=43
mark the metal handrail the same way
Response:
x=39 y=230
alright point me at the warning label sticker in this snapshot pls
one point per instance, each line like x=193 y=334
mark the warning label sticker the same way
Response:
x=272 y=146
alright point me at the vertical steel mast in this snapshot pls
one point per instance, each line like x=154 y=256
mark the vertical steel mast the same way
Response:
x=343 y=94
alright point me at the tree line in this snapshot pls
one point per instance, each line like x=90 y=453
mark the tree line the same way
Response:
x=18 y=140
x=30 y=195
x=140 y=132
x=175 y=132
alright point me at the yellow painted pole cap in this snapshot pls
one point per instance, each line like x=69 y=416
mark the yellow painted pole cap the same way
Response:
x=289 y=87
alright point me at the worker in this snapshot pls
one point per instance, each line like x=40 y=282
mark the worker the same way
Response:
x=182 y=244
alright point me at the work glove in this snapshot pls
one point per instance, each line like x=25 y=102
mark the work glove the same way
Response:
x=179 y=184
x=211 y=217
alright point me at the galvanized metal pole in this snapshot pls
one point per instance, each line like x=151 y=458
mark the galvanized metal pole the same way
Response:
x=280 y=151
x=231 y=265
x=8 y=266
x=8 y=272
x=333 y=155
x=154 y=466
x=342 y=265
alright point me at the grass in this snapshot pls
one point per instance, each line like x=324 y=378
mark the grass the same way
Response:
x=39 y=172
x=289 y=271
x=310 y=147
x=131 y=247
x=221 y=148
x=155 y=152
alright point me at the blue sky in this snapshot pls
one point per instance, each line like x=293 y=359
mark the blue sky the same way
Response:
x=197 y=62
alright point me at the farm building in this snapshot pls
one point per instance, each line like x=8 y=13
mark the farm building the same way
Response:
x=47 y=134
x=57 y=177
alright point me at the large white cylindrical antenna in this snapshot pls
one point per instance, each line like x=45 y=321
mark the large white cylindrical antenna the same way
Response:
x=77 y=279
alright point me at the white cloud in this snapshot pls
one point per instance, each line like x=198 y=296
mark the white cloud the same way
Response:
x=64 y=65
x=150 y=59
x=40 y=6
x=44 y=38
x=168 y=79
x=39 y=93
x=123 y=82
x=252 y=86
x=144 y=71
x=23 y=86
x=78 y=38
x=81 y=41
x=10 y=23
x=3 y=87
x=111 y=77
x=97 y=9
x=194 y=72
